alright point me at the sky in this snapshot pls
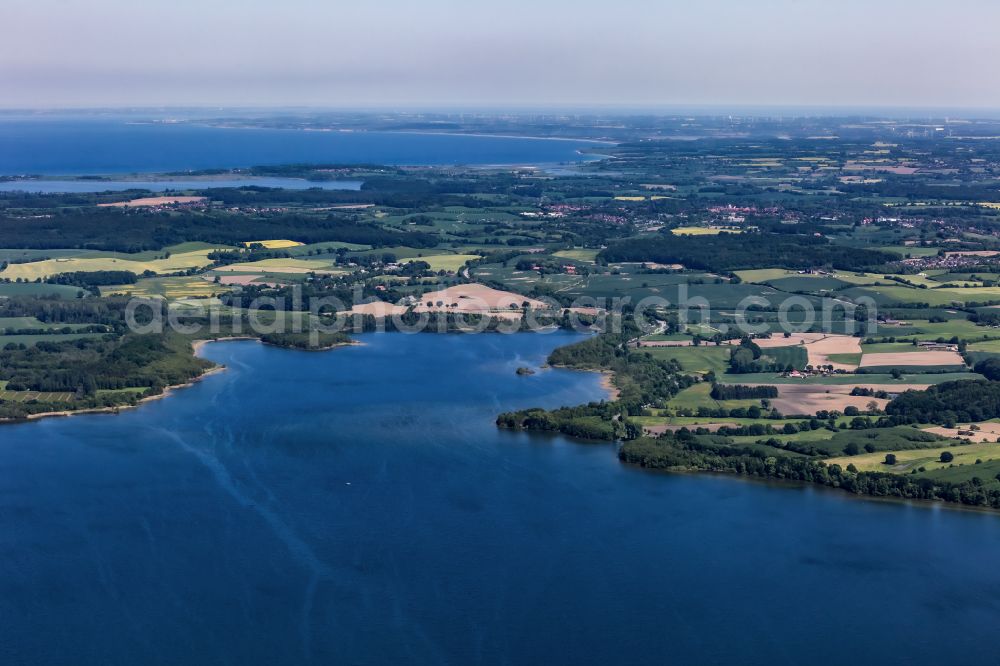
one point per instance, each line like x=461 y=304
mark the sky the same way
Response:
x=516 y=53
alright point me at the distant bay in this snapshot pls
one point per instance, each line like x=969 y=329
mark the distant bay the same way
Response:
x=161 y=185
x=88 y=146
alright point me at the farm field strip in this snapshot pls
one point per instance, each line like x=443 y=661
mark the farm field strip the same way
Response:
x=445 y=262
x=912 y=359
x=907 y=460
x=41 y=396
x=196 y=259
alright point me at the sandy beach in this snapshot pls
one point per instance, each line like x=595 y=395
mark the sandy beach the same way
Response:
x=607 y=383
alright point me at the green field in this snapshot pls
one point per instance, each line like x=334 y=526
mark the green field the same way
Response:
x=913 y=370
x=704 y=420
x=581 y=255
x=48 y=337
x=673 y=337
x=795 y=356
x=175 y=262
x=699 y=395
x=761 y=275
x=125 y=392
x=820 y=435
x=319 y=249
x=961 y=328
x=887 y=295
x=21 y=323
x=890 y=348
x=795 y=281
x=927 y=458
x=808 y=283
x=446 y=262
x=846 y=359
x=987 y=472
x=863 y=279
x=41 y=396
x=189 y=286
x=399 y=251
x=9 y=255
x=991 y=347
x=621 y=281
x=912 y=250
x=38 y=290
x=701 y=359
x=866 y=379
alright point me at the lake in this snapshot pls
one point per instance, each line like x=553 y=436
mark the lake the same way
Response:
x=86 y=146
x=360 y=507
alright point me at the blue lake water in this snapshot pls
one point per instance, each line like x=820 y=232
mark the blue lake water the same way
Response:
x=62 y=146
x=360 y=507
x=82 y=186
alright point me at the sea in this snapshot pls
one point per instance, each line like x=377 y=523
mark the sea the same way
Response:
x=74 y=146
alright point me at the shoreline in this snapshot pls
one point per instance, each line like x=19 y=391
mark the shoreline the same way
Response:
x=114 y=410
x=196 y=347
x=341 y=130
x=606 y=380
x=608 y=384
x=605 y=142
x=805 y=485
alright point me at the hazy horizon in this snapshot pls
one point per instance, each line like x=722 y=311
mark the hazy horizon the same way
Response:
x=444 y=54
x=623 y=110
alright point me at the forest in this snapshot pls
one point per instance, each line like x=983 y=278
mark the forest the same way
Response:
x=129 y=231
x=730 y=252
x=948 y=403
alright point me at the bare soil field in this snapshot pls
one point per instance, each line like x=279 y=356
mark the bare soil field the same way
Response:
x=909 y=359
x=781 y=341
x=277 y=244
x=987 y=432
x=806 y=400
x=590 y=312
x=381 y=310
x=154 y=201
x=973 y=253
x=475 y=298
x=378 y=309
x=665 y=343
x=288 y=265
x=241 y=280
x=819 y=346
x=655 y=266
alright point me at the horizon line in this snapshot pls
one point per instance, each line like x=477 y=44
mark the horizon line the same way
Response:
x=625 y=108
